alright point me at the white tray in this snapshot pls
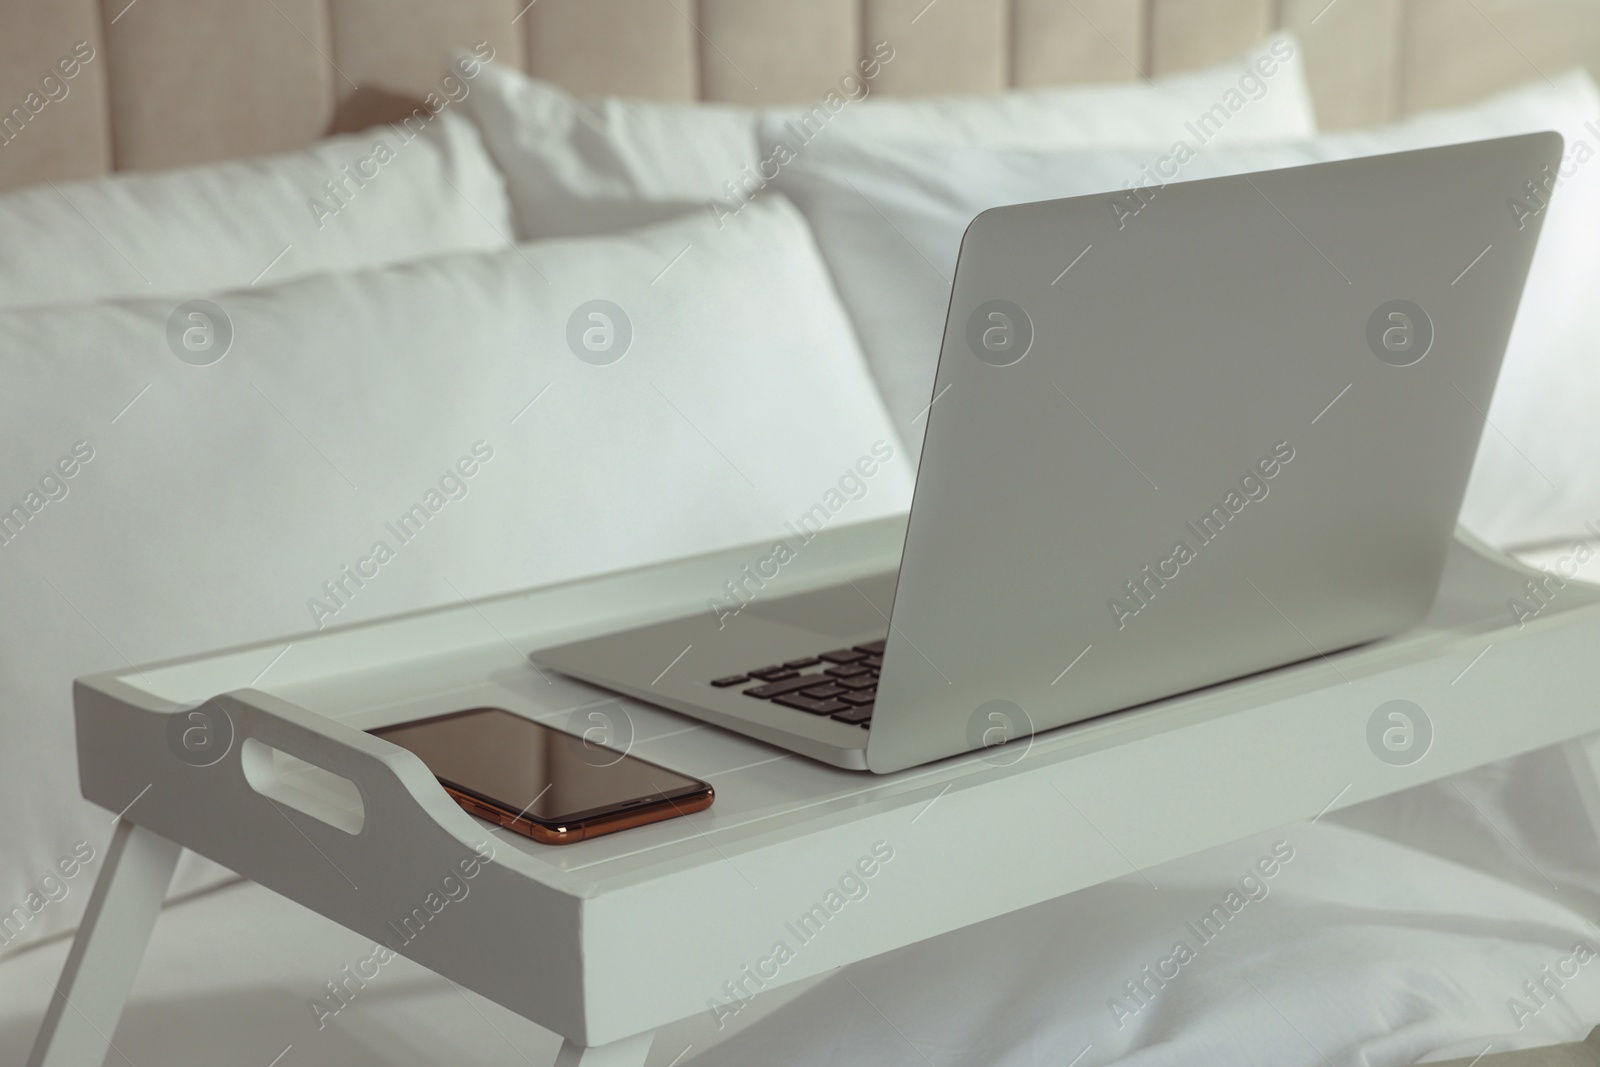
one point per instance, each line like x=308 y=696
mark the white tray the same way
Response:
x=607 y=939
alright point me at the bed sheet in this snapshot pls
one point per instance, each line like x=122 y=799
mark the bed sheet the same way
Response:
x=1438 y=922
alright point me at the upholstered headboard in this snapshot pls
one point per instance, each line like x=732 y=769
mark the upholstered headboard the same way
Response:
x=183 y=81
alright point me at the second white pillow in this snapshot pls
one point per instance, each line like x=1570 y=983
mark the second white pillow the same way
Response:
x=598 y=166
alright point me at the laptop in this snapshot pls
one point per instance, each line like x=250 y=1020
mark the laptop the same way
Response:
x=1234 y=436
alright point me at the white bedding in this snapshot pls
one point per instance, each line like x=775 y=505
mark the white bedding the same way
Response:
x=388 y=195
x=1397 y=932
x=1362 y=949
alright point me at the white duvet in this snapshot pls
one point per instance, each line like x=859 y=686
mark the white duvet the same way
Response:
x=1440 y=922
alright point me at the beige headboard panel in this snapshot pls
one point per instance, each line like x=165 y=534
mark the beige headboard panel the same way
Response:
x=183 y=81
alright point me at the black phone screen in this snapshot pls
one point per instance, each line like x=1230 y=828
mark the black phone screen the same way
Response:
x=522 y=765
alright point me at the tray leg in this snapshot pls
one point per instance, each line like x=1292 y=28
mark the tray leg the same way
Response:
x=629 y=1052
x=105 y=955
x=1583 y=758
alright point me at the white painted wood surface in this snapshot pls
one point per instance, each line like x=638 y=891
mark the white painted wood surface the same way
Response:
x=629 y=1052
x=611 y=938
x=88 y=1000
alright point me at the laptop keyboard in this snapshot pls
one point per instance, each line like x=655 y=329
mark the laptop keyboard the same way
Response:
x=841 y=684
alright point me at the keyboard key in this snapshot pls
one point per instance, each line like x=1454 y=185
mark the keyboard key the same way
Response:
x=873 y=661
x=854 y=715
x=798 y=664
x=860 y=681
x=843 y=655
x=815 y=707
x=789 y=685
x=849 y=670
x=776 y=673
x=732 y=679
x=860 y=696
x=872 y=648
x=822 y=692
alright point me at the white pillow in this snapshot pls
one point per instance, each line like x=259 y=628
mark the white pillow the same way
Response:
x=207 y=505
x=577 y=166
x=889 y=219
x=396 y=194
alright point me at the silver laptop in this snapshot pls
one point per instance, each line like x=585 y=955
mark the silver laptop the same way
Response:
x=1234 y=436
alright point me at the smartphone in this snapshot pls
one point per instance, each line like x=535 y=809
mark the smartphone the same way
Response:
x=554 y=787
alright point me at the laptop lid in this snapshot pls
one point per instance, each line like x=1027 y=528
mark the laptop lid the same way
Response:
x=1236 y=434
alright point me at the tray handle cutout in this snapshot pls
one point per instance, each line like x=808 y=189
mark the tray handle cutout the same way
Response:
x=342 y=777
x=303 y=786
